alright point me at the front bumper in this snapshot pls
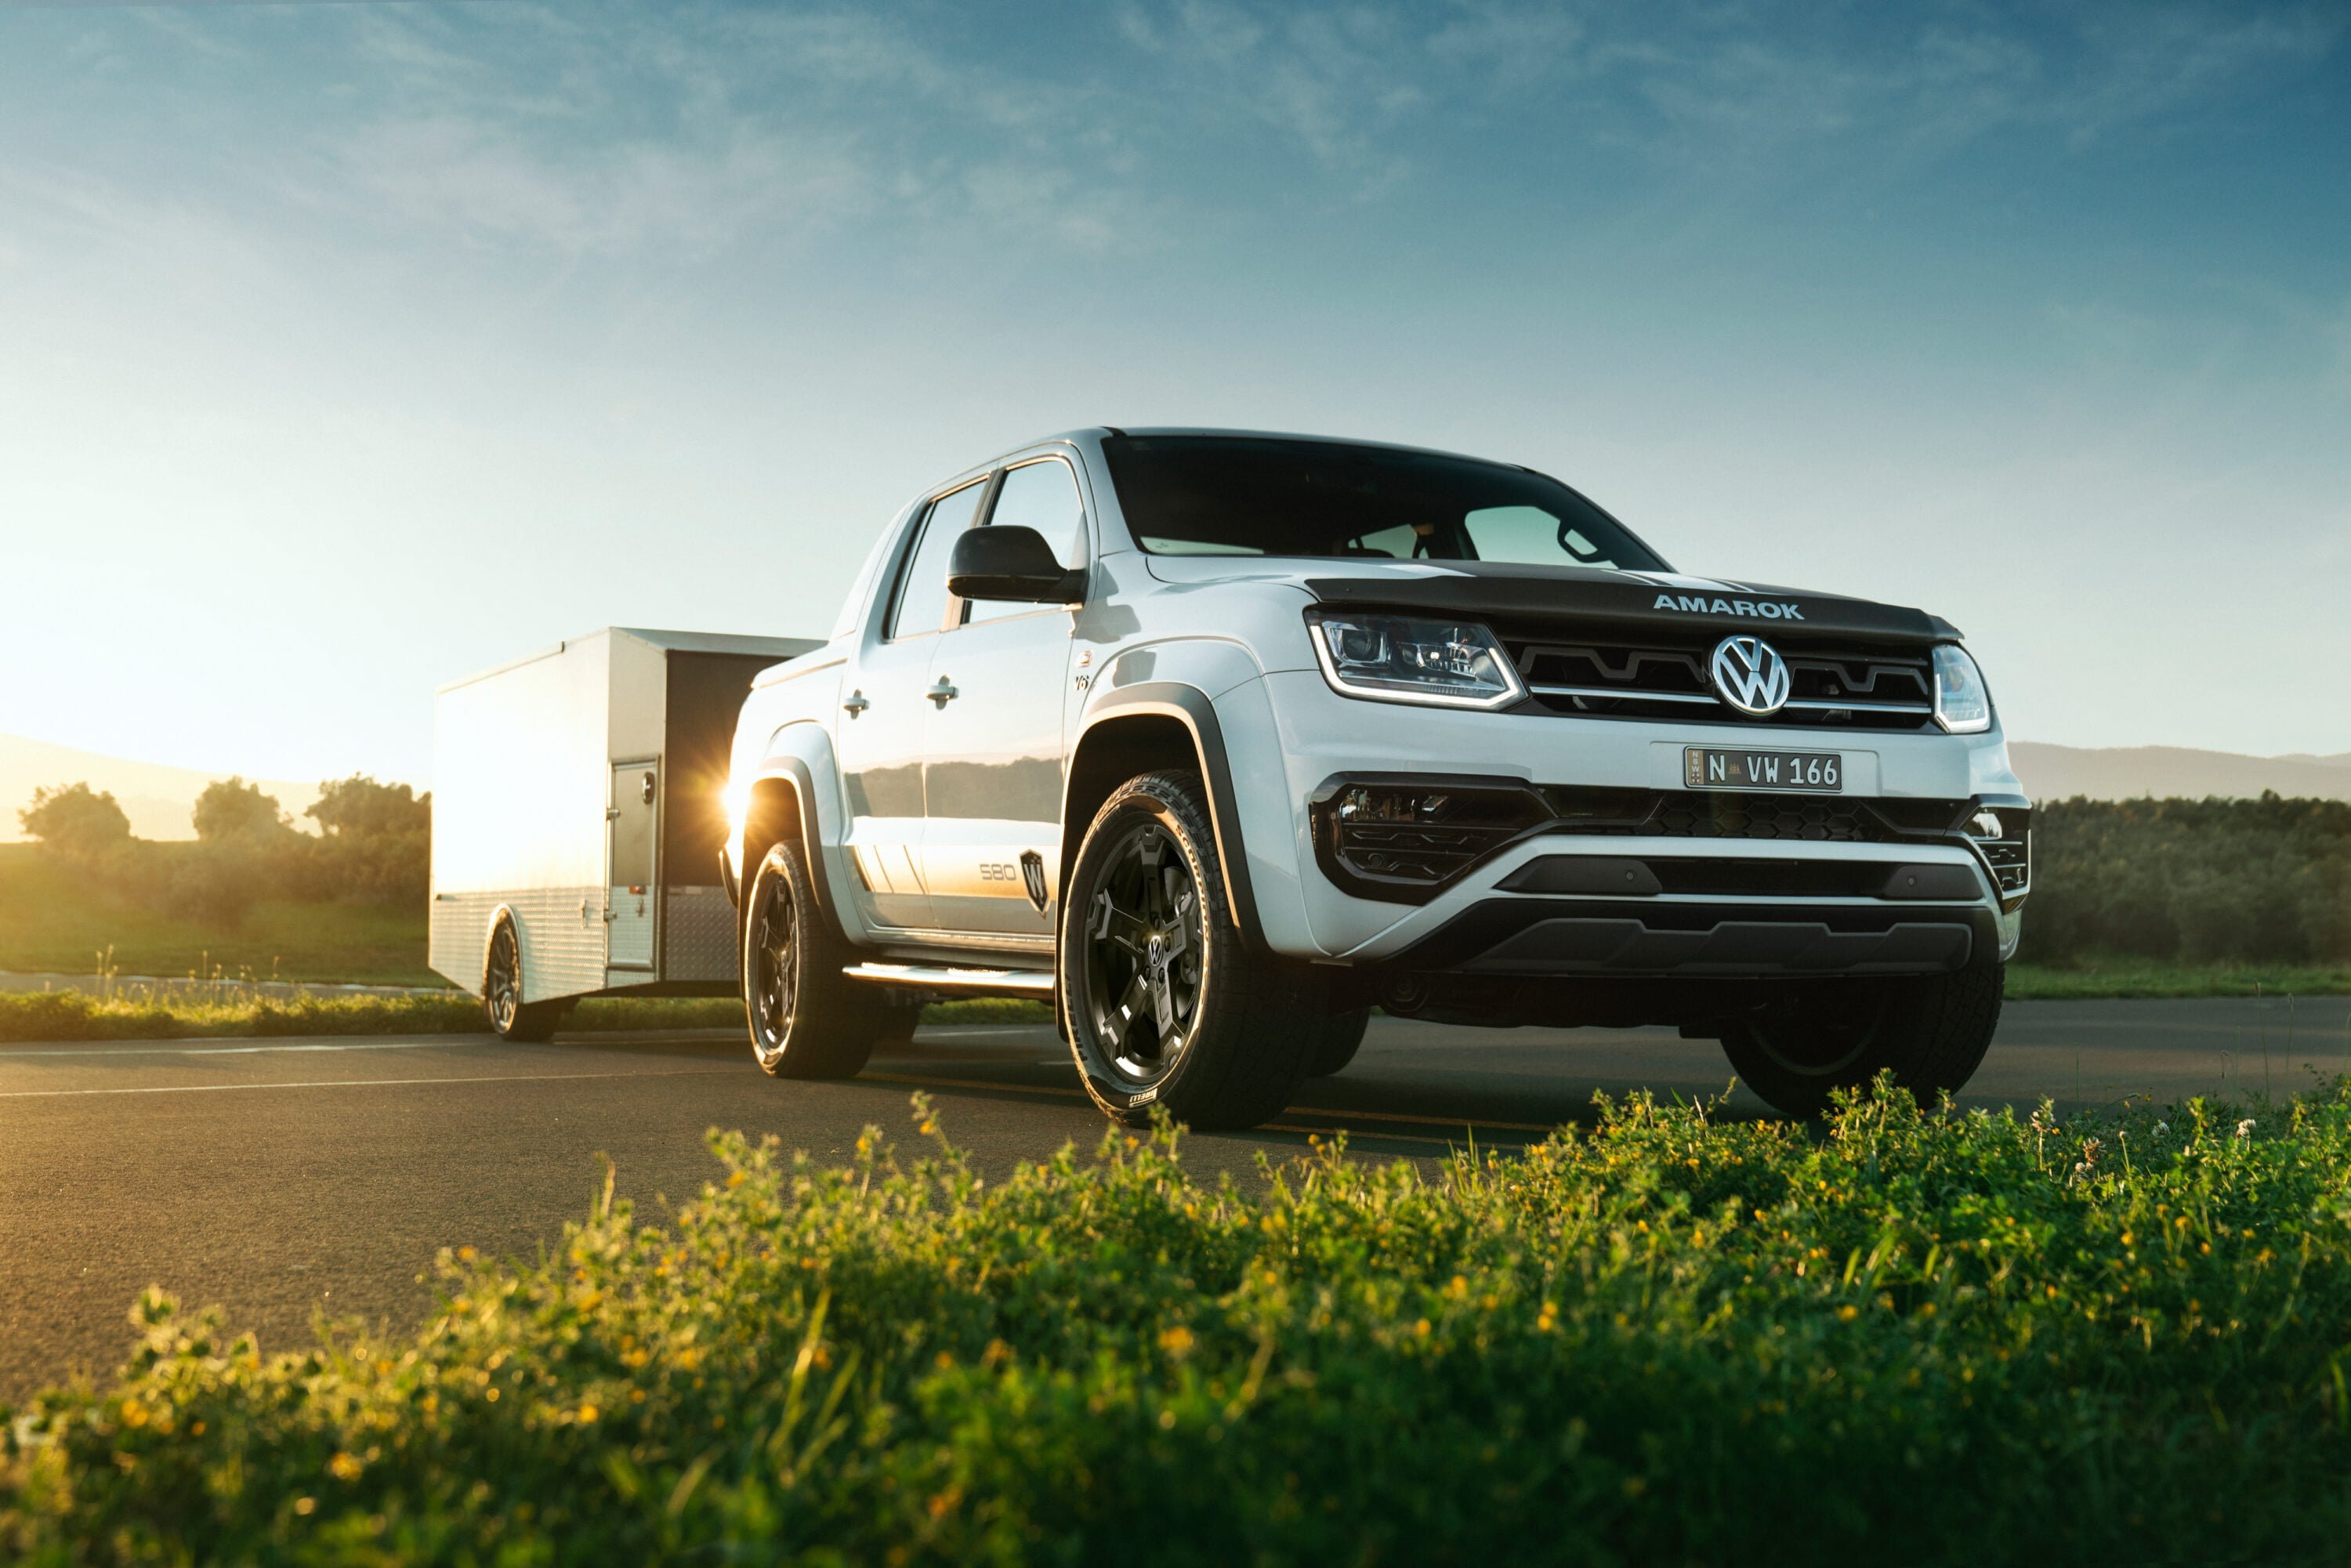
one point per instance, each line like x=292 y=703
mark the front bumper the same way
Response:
x=1558 y=904
x=1802 y=907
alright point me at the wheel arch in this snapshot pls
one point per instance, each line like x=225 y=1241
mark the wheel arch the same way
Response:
x=782 y=809
x=1151 y=724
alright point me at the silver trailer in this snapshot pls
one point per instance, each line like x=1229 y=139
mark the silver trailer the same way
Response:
x=578 y=820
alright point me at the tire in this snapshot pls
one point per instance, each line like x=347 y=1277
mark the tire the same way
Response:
x=807 y=1018
x=1341 y=1035
x=1929 y=1031
x=510 y=1016
x=1165 y=1003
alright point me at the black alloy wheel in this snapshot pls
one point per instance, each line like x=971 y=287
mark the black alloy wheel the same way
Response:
x=1816 y=1037
x=1166 y=1007
x=772 y=971
x=1819 y=1033
x=510 y=1016
x=807 y=1018
x=1145 y=952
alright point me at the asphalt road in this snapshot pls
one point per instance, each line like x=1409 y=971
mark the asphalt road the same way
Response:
x=283 y=1178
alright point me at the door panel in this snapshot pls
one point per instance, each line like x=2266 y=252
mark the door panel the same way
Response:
x=881 y=751
x=629 y=875
x=880 y=734
x=992 y=781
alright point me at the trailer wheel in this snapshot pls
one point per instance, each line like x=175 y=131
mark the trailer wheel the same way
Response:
x=807 y=1019
x=510 y=1016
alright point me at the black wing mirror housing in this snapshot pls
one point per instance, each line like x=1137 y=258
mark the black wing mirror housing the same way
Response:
x=1011 y=562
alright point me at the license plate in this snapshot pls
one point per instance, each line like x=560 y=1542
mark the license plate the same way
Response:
x=1718 y=767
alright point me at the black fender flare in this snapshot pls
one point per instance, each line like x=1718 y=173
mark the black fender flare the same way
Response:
x=1190 y=706
x=802 y=779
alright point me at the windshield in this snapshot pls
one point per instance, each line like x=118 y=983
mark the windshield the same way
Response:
x=1228 y=495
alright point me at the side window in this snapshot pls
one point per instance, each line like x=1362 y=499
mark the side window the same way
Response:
x=1043 y=496
x=923 y=592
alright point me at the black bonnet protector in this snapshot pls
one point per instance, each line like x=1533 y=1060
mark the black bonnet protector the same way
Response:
x=1622 y=604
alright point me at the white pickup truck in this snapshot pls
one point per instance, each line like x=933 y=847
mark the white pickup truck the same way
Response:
x=1219 y=739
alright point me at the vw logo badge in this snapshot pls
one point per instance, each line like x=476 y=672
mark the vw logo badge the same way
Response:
x=1750 y=675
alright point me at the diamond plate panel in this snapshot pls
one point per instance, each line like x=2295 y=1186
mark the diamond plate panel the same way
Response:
x=698 y=934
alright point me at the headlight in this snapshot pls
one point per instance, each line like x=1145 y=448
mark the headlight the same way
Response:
x=1399 y=658
x=1962 y=706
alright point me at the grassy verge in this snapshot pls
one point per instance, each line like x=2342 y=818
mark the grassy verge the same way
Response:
x=73 y=1016
x=53 y=919
x=1669 y=1339
x=2146 y=977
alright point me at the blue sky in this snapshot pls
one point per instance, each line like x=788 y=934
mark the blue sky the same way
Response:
x=345 y=348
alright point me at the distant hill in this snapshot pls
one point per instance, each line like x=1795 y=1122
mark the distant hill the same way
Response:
x=159 y=800
x=2122 y=773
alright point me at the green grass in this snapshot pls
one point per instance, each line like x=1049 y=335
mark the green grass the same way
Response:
x=55 y=919
x=1671 y=1338
x=137 y=1015
x=2148 y=978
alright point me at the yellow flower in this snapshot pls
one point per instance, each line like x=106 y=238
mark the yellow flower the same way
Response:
x=1847 y=1312
x=1175 y=1341
x=344 y=1466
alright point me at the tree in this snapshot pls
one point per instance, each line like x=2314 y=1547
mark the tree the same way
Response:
x=375 y=843
x=359 y=808
x=75 y=820
x=231 y=810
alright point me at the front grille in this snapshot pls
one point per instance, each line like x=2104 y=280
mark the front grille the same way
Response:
x=1856 y=688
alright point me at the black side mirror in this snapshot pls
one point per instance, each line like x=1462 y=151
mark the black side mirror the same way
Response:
x=1011 y=562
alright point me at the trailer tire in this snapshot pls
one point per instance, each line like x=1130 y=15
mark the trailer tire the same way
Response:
x=510 y=1016
x=807 y=1018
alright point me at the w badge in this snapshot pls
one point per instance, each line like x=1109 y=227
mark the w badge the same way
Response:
x=1750 y=675
x=1032 y=876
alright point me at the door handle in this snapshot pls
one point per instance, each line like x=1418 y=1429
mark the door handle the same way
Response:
x=942 y=694
x=855 y=705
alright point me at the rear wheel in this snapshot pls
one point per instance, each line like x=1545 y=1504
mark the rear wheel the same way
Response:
x=1819 y=1036
x=1336 y=1043
x=510 y=1016
x=807 y=1019
x=1165 y=1003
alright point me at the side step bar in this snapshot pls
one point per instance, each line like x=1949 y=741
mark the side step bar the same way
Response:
x=1020 y=982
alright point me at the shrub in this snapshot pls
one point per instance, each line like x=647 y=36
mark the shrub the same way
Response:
x=2265 y=880
x=1673 y=1338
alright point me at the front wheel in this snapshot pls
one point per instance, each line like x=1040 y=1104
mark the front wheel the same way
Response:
x=1819 y=1036
x=1165 y=1003
x=1336 y=1043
